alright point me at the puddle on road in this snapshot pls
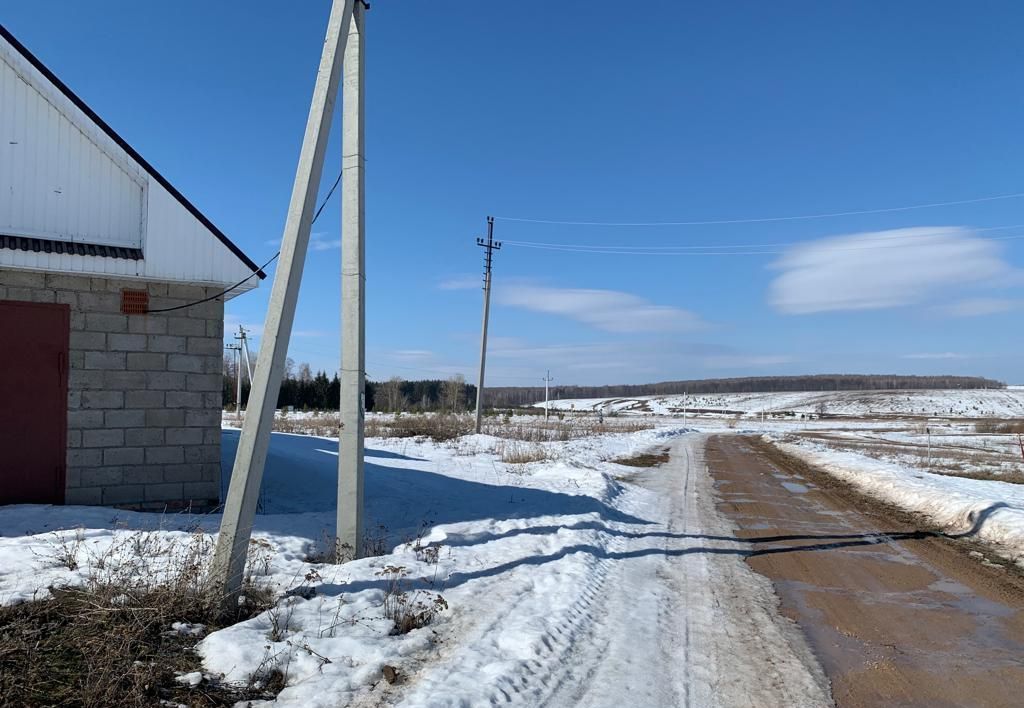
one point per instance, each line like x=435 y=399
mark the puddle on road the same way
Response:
x=795 y=487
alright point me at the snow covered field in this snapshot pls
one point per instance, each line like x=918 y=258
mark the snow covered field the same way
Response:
x=542 y=567
x=1003 y=403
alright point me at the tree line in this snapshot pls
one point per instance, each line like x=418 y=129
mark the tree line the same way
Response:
x=511 y=396
x=301 y=389
x=304 y=390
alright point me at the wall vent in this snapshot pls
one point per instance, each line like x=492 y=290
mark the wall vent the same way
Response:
x=134 y=302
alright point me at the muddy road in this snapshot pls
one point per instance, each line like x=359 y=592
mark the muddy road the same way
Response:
x=897 y=614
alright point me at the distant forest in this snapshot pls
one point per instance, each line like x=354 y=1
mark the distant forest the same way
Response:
x=520 y=396
x=304 y=390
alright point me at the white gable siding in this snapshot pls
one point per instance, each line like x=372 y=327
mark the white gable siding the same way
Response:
x=63 y=177
x=179 y=247
x=56 y=180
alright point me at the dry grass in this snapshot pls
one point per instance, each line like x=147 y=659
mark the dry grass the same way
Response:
x=999 y=426
x=518 y=453
x=538 y=431
x=408 y=609
x=110 y=641
x=443 y=427
x=439 y=427
x=323 y=424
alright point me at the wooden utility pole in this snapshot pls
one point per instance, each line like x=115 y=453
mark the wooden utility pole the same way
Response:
x=490 y=246
x=349 y=539
x=240 y=506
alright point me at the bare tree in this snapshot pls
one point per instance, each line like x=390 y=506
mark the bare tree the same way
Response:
x=305 y=372
x=289 y=368
x=391 y=398
x=452 y=394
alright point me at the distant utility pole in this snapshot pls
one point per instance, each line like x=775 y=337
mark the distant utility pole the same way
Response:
x=228 y=565
x=348 y=540
x=490 y=246
x=243 y=335
x=547 y=380
x=237 y=349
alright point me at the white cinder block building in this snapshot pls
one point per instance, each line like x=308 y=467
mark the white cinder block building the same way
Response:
x=107 y=394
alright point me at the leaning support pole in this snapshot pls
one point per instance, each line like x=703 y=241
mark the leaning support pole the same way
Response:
x=240 y=507
x=349 y=540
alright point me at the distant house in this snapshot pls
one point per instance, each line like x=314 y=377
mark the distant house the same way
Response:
x=104 y=398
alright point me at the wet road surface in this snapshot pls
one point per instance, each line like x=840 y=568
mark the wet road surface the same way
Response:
x=897 y=615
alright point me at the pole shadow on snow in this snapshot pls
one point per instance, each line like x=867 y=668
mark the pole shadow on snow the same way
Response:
x=301 y=476
x=827 y=542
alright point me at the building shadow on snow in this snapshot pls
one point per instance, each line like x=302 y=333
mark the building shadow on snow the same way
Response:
x=301 y=476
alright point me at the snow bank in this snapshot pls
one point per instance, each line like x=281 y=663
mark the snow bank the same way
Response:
x=991 y=511
x=451 y=519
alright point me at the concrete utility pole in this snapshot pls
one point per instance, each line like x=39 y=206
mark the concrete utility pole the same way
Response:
x=236 y=349
x=240 y=507
x=245 y=352
x=547 y=380
x=490 y=246
x=348 y=542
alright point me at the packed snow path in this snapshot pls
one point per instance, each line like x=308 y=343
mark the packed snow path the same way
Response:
x=663 y=613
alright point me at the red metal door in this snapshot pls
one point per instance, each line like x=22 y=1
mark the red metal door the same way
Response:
x=33 y=402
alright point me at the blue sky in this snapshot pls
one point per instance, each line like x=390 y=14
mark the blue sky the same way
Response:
x=605 y=112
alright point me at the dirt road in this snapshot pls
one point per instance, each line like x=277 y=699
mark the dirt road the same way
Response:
x=897 y=615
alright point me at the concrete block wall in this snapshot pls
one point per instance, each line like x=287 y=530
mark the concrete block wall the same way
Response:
x=144 y=391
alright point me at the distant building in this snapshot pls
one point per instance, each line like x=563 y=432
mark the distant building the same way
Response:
x=103 y=399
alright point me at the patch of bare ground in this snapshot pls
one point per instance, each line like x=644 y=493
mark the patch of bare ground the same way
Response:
x=645 y=459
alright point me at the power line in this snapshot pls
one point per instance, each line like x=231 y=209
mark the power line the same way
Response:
x=242 y=282
x=721 y=246
x=768 y=219
x=659 y=251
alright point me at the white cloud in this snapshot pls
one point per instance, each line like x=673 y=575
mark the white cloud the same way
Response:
x=883 y=269
x=412 y=354
x=317 y=242
x=608 y=310
x=936 y=355
x=462 y=282
x=741 y=361
x=974 y=307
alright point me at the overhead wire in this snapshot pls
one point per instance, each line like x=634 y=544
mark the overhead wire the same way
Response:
x=889 y=241
x=768 y=219
x=256 y=272
x=722 y=246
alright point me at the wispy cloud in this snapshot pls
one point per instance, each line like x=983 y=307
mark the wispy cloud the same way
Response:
x=936 y=355
x=978 y=306
x=883 y=269
x=317 y=242
x=462 y=282
x=412 y=355
x=743 y=361
x=608 y=310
